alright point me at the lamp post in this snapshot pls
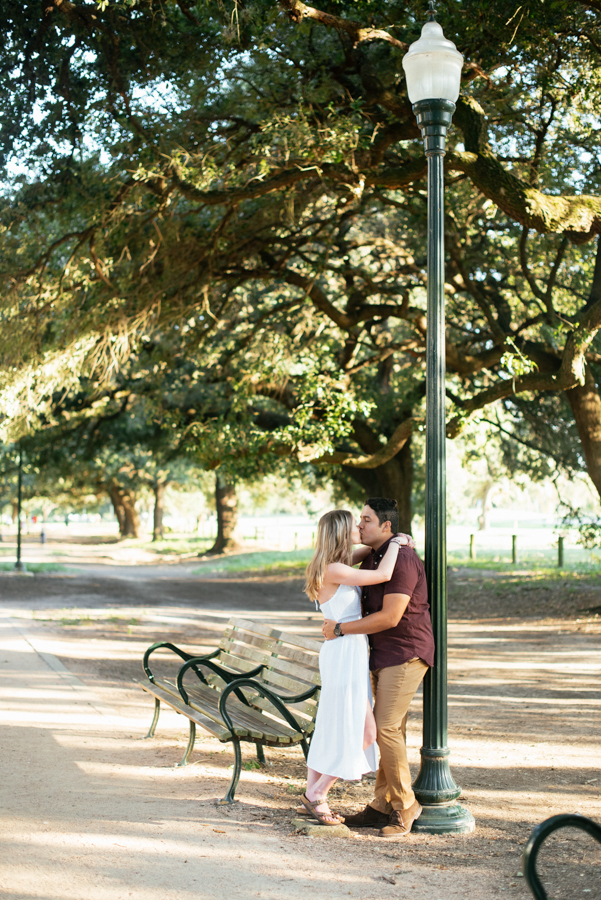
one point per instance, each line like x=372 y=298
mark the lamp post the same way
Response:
x=19 y=565
x=433 y=72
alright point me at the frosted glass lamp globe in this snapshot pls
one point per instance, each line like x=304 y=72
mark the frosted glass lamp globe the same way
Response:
x=433 y=66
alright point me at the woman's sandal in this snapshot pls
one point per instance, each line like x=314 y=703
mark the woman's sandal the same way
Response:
x=321 y=817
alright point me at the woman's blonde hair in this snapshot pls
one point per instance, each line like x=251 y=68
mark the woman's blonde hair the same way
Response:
x=334 y=544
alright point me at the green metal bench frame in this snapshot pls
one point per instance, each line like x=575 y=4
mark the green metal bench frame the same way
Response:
x=235 y=713
x=540 y=834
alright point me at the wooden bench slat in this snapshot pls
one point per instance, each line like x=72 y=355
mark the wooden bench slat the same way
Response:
x=264 y=704
x=206 y=701
x=249 y=625
x=275 y=648
x=168 y=686
x=247 y=639
x=311 y=676
x=298 y=640
x=247 y=632
x=244 y=716
x=278 y=635
x=287 y=668
x=220 y=732
x=245 y=654
x=296 y=709
x=246 y=651
x=311 y=660
x=292 y=685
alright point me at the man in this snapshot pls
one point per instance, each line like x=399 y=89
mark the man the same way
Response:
x=396 y=616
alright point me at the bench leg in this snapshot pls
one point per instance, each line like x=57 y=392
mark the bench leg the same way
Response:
x=155 y=718
x=229 y=797
x=261 y=755
x=305 y=747
x=190 y=747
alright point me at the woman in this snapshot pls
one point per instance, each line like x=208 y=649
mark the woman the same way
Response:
x=343 y=744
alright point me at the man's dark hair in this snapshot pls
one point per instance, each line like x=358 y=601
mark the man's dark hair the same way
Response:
x=386 y=511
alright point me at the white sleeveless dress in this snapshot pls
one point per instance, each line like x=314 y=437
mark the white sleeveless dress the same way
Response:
x=337 y=743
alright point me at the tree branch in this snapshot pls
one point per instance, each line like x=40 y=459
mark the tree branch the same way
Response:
x=297 y=11
x=399 y=438
x=579 y=217
x=405 y=173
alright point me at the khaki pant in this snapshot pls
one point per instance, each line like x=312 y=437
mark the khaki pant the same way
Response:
x=394 y=688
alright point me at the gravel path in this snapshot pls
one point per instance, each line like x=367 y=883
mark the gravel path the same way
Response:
x=90 y=811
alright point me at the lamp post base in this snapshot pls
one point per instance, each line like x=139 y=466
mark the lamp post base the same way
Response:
x=451 y=819
x=436 y=791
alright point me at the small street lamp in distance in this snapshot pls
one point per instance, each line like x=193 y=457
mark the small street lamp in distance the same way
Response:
x=20 y=567
x=433 y=73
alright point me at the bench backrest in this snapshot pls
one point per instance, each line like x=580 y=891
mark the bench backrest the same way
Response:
x=291 y=662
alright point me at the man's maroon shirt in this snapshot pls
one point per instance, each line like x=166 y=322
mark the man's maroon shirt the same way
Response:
x=413 y=635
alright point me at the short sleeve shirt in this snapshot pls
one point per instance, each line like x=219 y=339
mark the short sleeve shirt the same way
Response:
x=413 y=636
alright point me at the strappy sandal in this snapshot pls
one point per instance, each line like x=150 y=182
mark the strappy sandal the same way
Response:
x=321 y=817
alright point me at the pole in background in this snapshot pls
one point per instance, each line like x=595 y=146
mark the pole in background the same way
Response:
x=514 y=549
x=433 y=72
x=560 y=552
x=19 y=565
x=472 y=546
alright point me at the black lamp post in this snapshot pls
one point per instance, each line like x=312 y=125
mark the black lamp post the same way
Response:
x=433 y=72
x=19 y=565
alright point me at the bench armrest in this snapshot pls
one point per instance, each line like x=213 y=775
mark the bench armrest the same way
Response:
x=540 y=834
x=194 y=661
x=181 y=653
x=298 y=697
x=260 y=689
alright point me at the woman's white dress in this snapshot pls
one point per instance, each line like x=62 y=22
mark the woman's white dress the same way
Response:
x=337 y=743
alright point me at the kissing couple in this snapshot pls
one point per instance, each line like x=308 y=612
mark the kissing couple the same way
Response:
x=379 y=645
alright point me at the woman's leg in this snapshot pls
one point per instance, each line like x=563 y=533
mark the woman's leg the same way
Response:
x=312 y=778
x=370 y=732
x=318 y=786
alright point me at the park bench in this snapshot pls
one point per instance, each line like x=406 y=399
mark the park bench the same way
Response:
x=539 y=836
x=260 y=686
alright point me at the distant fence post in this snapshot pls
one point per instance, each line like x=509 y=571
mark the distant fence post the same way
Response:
x=560 y=552
x=514 y=549
x=472 y=546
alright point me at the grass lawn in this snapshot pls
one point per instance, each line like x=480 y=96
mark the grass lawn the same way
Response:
x=36 y=567
x=263 y=561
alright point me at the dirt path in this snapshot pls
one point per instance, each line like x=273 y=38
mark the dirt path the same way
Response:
x=92 y=812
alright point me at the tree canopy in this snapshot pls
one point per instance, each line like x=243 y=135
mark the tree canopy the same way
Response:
x=252 y=174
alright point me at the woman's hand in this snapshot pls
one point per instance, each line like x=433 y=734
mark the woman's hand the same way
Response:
x=405 y=540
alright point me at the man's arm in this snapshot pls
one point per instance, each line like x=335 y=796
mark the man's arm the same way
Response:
x=389 y=616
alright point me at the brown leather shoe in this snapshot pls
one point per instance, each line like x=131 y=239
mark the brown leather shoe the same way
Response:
x=367 y=818
x=401 y=821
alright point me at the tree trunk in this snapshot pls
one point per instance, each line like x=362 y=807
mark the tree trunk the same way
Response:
x=484 y=498
x=124 y=504
x=394 y=480
x=132 y=517
x=15 y=511
x=227 y=515
x=114 y=492
x=158 y=531
x=586 y=407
